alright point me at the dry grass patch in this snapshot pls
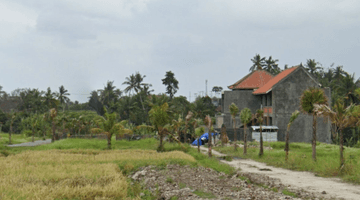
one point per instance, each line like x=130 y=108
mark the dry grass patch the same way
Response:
x=71 y=174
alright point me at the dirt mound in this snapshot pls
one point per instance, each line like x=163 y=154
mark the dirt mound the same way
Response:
x=187 y=182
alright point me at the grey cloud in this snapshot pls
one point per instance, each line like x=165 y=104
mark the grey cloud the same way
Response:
x=83 y=44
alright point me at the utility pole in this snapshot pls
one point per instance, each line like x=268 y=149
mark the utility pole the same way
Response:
x=206 y=87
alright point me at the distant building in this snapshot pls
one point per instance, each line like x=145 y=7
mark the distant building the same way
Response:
x=279 y=96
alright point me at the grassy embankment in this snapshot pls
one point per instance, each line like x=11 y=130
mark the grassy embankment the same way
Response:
x=83 y=169
x=300 y=159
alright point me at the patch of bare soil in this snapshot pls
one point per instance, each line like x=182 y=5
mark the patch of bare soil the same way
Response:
x=185 y=182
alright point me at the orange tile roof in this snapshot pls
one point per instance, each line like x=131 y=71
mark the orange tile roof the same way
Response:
x=255 y=79
x=265 y=88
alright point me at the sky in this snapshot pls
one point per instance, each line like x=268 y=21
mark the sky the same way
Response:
x=83 y=44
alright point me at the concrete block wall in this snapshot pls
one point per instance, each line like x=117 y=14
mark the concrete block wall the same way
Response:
x=242 y=99
x=286 y=99
x=239 y=134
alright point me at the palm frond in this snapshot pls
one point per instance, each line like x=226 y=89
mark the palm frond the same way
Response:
x=245 y=115
x=233 y=110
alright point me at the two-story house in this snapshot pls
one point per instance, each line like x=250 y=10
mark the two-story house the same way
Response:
x=279 y=96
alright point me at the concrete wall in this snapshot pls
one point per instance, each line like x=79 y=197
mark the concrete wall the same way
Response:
x=239 y=134
x=286 y=99
x=242 y=99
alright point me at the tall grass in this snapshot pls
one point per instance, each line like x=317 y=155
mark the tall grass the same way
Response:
x=76 y=168
x=300 y=159
x=74 y=174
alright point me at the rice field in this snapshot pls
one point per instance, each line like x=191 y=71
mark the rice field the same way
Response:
x=73 y=174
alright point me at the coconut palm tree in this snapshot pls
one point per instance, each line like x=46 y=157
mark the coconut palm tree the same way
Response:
x=95 y=103
x=49 y=99
x=260 y=119
x=339 y=73
x=342 y=117
x=258 y=61
x=53 y=114
x=63 y=96
x=271 y=66
x=12 y=120
x=43 y=123
x=308 y=98
x=224 y=137
x=312 y=66
x=294 y=115
x=159 y=117
x=131 y=84
x=108 y=95
x=109 y=125
x=245 y=116
x=208 y=123
x=135 y=83
x=348 y=86
x=234 y=111
x=34 y=123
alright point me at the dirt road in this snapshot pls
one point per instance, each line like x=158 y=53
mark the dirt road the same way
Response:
x=31 y=144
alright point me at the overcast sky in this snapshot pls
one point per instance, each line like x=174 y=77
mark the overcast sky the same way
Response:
x=83 y=44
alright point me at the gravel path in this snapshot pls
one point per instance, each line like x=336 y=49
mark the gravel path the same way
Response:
x=326 y=187
x=31 y=144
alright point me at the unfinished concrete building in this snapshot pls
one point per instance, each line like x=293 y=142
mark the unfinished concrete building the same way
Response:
x=279 y=96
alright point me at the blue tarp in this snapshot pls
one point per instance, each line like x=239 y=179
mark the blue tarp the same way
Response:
x=205 y=136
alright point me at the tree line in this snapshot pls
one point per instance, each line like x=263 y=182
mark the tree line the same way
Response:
x=32 y=115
